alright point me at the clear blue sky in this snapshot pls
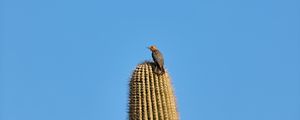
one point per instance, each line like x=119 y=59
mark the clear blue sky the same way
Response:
x=72 y=60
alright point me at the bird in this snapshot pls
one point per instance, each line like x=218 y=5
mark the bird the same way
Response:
x=158 y=59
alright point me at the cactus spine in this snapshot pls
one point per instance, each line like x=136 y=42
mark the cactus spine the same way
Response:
x=151 y=95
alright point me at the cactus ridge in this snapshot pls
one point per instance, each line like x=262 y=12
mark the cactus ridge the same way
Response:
x=151 y=96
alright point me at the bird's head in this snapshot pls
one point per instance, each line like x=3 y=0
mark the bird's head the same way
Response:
x=152 y=47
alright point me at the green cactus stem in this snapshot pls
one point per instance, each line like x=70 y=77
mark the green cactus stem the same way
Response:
x=151 y=95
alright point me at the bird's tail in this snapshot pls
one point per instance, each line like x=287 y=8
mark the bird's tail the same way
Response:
x=162 y=70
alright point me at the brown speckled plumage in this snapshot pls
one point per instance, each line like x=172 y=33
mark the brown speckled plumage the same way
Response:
x=158 y=60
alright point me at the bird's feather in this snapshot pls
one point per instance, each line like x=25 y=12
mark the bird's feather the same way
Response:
x=158 y=59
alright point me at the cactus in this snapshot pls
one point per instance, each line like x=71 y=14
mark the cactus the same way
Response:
x=151 y=95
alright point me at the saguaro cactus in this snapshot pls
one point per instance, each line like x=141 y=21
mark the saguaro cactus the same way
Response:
x=151 y=95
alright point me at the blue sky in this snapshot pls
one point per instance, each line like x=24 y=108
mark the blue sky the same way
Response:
x=72 y=60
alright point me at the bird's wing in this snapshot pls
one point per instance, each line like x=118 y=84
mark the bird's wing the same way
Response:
x=158 y=57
